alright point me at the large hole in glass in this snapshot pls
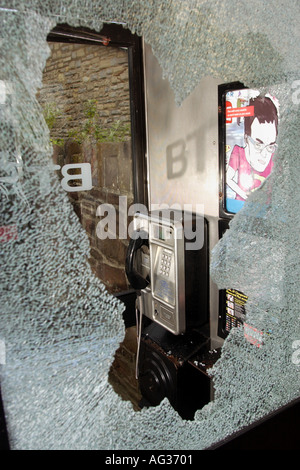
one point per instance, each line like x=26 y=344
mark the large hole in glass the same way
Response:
x=86 y=101
x=85 y=98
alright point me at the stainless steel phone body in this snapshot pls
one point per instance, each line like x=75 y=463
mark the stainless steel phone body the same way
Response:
x=164 y=299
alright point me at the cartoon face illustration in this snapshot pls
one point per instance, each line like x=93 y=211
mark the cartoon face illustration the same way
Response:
x=250 y=164
x=261 y=145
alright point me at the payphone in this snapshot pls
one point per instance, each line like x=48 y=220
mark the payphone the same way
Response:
x=167 y=261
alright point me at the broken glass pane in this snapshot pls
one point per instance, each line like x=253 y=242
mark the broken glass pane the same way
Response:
x=59 y=326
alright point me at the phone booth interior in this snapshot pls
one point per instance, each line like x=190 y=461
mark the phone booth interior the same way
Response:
x=186 y=166
x=174 y=356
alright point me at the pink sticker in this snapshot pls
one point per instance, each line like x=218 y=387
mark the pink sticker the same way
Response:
x=8 y=232
x=253 y=335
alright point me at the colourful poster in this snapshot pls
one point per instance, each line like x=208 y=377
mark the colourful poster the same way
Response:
x=251 y=139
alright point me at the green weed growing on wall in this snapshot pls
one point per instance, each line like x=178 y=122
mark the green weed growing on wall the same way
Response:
x=89 y=129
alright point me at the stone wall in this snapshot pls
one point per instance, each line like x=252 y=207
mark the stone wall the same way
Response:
x=85 y=96
x=74 y=75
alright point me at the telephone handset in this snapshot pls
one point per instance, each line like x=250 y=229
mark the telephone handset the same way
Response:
x=135 y=278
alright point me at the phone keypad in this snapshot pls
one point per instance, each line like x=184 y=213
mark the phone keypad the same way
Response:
x=165 y=263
